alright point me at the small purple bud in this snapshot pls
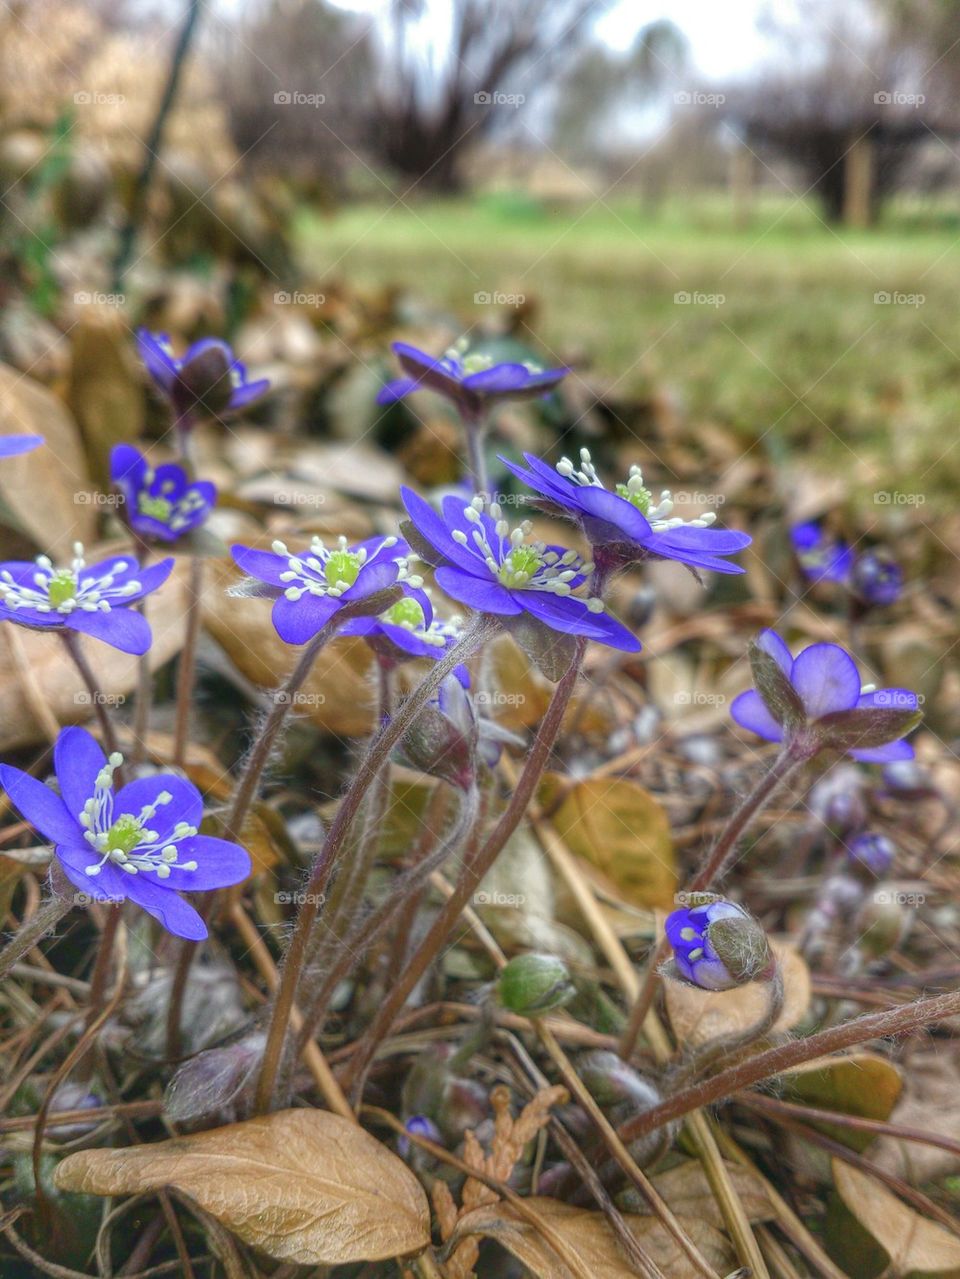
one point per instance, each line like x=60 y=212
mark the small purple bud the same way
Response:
x=873 y=852
x=840 y=896
x=442 y=740
x=717 y=945
x=877 y=579
x=419 y=1126
x=838 y=800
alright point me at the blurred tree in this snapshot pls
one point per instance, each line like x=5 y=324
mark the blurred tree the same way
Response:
x=863 y=87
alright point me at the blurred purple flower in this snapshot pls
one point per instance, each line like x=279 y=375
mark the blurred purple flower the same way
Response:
x=628 y=522
x=471 y=382
x=877 y=579
x=822 y=558
x=488 y=568
x=162 y=504
x=207 y=378
x=13 y=445
x=139 y=843
x=93 y=599
x=874 y=852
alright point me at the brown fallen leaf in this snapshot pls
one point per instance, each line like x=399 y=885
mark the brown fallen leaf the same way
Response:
x=930 y=1104
x=304 y=1185
x=697 y=1016
x=105 y=390
x=48 y=493
x=860 y=1084
x=578 y=1242
x=619 y=827
x=914 y=1244
x=687 y=1191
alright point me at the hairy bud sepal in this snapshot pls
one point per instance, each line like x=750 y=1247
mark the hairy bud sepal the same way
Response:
x=535 y=984
x=717 y=945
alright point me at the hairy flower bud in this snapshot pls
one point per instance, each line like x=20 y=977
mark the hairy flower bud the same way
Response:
x=717 y=945
x=611 y=1082
x=535 y=984
x=442 y=741
x=881 y=924
x=838 y=800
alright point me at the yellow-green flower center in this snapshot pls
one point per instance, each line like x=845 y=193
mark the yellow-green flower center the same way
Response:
x=157 y=508
x=406 y=612
x=636 y=494
x=125 y=833
x=62 y=586
x=522 y=563
x=342 y=566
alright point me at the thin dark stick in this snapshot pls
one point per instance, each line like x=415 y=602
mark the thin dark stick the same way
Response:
x=188 y=662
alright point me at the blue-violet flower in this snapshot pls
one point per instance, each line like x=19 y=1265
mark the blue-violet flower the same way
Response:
x=207 y=378
x=161 y=504
x=717 y=945
x=471 y=382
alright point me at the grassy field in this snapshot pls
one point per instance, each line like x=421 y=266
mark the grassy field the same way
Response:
x=785 y=328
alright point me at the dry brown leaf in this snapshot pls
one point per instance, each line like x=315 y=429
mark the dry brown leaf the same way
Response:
x=304 y=1185
x=55 y=676
x=619 y=827
x=930 y=1104
x=697 y=1016
x=106 y=388
x=687 y=1191
x=578 y=1242
x=913 y=1243
x=47 y=493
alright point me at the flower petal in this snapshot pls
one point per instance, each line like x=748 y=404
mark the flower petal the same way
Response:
x=176 y=915
x=297 y=621
x=186 y=802
x=433 y=529
x=479 y=593
x=826 y=678
x=750 y=713
x=39 y=805
x=265 y=566
x=771 y=643
x=122 y=628
x=886 y=754
x=77 y=759
x=219 y=864
x=12 y=445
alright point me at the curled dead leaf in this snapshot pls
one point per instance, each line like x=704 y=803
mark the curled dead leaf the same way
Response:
x=303 y=1185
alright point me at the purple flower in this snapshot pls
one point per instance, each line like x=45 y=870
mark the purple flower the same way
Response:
x=139 y=842
x=161 y=504
x=816 y=701
x=822 y=558
x=309 y=587
x=717 y=945
x=207 y=378
x=471 y=382
x=13 y=445
x=872 y=851
x=628 y=523
x=407 y=629
x=490 y=569
x=876 y=579
x=93 y=599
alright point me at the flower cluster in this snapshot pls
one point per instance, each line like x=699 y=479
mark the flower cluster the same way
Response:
x=93 y=599
x=872 y=577
x=139 y=842
x=161 y=504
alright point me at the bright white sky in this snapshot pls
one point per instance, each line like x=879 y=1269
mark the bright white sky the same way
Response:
x=723 y=36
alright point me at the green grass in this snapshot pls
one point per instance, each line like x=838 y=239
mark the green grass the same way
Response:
x=798 y=351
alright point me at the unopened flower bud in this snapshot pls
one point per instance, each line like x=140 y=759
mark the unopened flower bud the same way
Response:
x=535 y=984
x=212 y=1084
x=872 y=852
x=717 y=945
x=204 y=382
x=611 y=1082
x=881 y=924
x=838 y=800
x=442 y=740
x=840 y=896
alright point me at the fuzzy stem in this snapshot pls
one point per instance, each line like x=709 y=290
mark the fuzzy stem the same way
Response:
x=44 y=920
x=144 y=702
x=72 y=644
x=188 y=662
x=475 y=429
x=903 y=1019
x=388 y=736
x=475 y=869
x=783 y=768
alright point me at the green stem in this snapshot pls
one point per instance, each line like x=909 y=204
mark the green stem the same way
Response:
x=386 y=739
x=473 y=872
